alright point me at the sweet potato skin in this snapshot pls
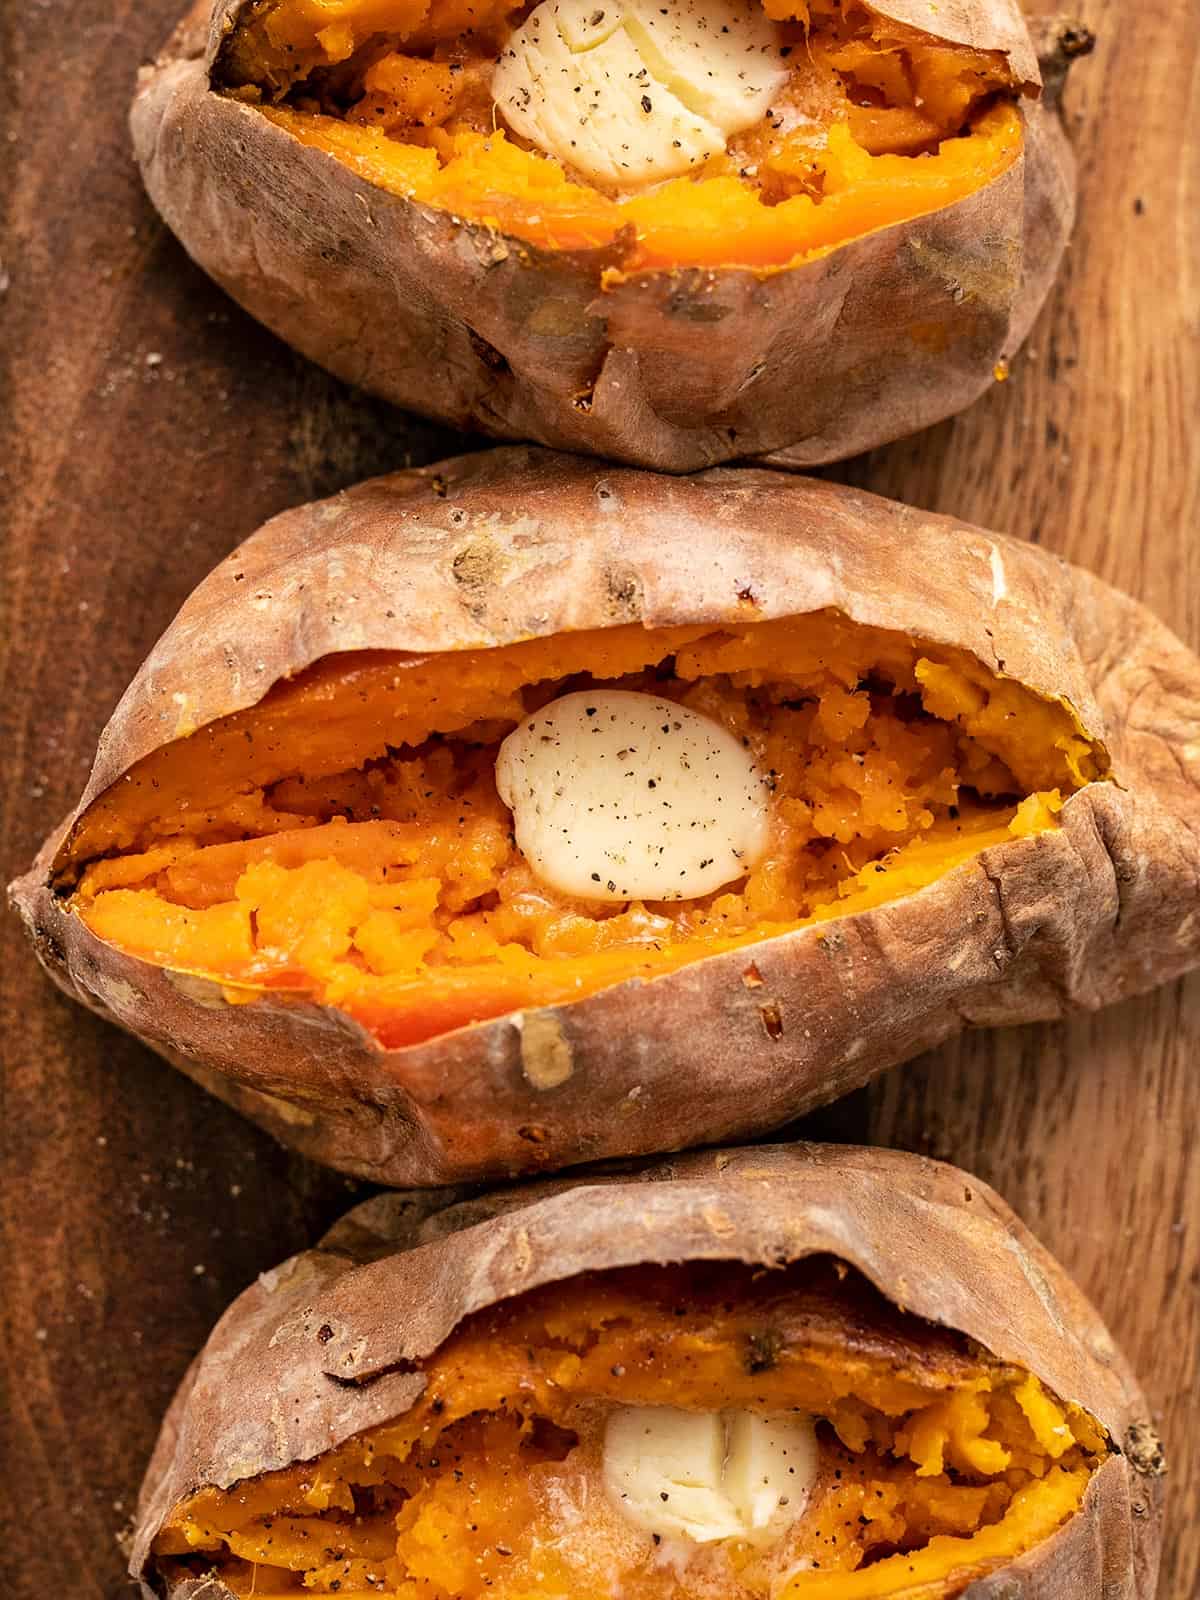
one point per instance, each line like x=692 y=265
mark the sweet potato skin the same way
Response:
x=673 y=370
x=339 y=1328
x=514 y=543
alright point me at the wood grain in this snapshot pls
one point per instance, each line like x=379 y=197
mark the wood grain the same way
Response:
x=150 y=425
x=1088 y=1129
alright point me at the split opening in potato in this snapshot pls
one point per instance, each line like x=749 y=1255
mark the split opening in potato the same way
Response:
x=673 y=793
x=704 y=132
x=656 y=1433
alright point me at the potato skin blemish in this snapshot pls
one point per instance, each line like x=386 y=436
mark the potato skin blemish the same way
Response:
x=314 y=896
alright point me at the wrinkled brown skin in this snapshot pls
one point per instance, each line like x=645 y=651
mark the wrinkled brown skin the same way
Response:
x=514 y=543
x=330 y=1343
x=668 y=369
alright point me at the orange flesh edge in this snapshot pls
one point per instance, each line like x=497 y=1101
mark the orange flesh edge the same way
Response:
x=877 y=125
x=937 y=1463
x=344 y=840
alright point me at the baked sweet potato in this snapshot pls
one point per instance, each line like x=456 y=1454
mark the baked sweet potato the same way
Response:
x=856 y=265
x=486 y=1396
x=292 y=872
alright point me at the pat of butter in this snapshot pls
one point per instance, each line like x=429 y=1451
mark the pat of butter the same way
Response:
x=618 y=796
x=705 y=1476
x=631 y=91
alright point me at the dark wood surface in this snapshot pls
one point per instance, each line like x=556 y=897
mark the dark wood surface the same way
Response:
x=150 y=425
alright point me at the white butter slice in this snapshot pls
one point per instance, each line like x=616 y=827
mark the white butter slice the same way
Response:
x=663 y=1467
x=706 y=1476
x=628 y=92
x=770 y=1467
x=618 y=796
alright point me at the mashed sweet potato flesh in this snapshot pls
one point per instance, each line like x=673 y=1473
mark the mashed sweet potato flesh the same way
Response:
x=343 y=840
x=937 y=1463
x=877 y=125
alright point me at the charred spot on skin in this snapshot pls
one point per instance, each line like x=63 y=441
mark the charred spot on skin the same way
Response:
x=478 y=569
x=752 y=977
x=493 y=359
x=762 y=1350
x=772 y=1019
x=1144 y=1450
x=623 y=592
x=684 y=304
x=324 y=1333
x=50 y=948
x=477 y=566
x=403 y=1366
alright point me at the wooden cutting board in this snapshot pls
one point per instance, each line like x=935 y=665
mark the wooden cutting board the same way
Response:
x=151 y=425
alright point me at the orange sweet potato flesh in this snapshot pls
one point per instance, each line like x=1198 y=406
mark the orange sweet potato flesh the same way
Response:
x=937 y=1463
x=878 y=124
x=345 y=839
